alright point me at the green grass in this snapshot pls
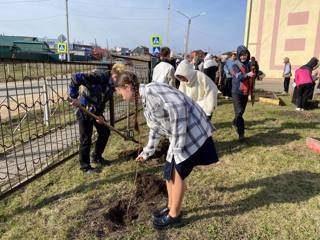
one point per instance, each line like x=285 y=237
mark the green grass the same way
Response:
x=265 y=188
x=35 y=70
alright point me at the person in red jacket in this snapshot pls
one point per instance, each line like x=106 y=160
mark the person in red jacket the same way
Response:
x=241 y=72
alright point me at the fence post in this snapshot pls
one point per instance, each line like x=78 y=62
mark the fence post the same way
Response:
x=128 y=116
x=8 y=69
x=150 y=71
x=111 y=109
x=46 y=109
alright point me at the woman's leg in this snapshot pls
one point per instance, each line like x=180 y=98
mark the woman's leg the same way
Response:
x=169 y=190
x=177 y=192
x=299 y=96
x=307 y=95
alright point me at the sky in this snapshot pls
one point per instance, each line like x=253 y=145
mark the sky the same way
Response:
x=129 y=23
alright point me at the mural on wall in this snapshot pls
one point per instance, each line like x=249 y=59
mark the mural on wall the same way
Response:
x=283 y=28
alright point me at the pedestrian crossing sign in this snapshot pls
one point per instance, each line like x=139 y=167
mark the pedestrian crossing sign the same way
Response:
x=156 y=50
x=155 y=41
x=61 y=47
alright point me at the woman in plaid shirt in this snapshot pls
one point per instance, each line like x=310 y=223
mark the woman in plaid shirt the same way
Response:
x=170 y=113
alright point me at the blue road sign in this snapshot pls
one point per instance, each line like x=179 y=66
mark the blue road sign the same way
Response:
x=156 y=50
x=155 y=41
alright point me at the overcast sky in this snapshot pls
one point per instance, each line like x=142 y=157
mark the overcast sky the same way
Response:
x=129 y=23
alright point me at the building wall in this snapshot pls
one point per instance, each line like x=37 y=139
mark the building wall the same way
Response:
x=282 y=28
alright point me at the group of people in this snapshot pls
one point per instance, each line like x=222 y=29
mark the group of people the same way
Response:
x=304 y=82
x=178 y=104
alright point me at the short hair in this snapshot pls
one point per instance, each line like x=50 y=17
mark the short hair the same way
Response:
x=165 y=52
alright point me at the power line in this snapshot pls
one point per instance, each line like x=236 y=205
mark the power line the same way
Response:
x=117 y=18
x=29 y=19
x=113 y=6
x=24 y=1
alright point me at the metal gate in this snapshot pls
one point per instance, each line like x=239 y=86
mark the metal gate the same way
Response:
x=38 y=127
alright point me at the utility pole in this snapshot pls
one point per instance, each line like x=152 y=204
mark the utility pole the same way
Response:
x=107 y=44
x=248 y=23
x=188 y=29
x=67 y=23
x=187 y=37
x=168 y=22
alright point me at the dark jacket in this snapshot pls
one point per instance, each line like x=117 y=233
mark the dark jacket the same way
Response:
x=98 y=89
x=311 y=64
x=240 y=80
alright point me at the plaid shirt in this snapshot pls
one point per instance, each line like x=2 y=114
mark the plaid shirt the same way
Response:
x=171 y=113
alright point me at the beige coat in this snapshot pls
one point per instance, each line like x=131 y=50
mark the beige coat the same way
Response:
x=199 y=87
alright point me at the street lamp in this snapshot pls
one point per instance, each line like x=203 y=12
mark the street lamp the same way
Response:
x=188 y=30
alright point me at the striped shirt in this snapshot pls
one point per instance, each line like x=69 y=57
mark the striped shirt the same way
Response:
x=170 y=113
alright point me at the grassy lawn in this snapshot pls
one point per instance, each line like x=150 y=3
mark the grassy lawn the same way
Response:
x=35 y=70
x=267 y=187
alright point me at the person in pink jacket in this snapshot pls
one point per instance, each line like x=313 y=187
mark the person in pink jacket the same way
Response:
x=305 y=83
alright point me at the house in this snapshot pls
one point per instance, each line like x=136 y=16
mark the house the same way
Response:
x=122 y=51
x=140 y=50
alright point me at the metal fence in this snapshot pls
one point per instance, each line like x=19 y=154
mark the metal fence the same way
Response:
x=38 y=126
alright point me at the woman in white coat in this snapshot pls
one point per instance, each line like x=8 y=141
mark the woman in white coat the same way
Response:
x=198 y=86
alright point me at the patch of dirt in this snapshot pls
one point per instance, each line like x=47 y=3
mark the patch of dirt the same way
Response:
x=305 y=115
x=119 y=215
x=160 y=153
x=149 y=187
x=103 y=219
x=262 y=93
x=128 y=154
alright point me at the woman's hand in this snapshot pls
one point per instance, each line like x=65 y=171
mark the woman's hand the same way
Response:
x=140 y=159
x=100 y=119
x=250 y=74
x=75 y=102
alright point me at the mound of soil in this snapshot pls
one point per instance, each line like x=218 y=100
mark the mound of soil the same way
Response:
x=160 y=153
x=149 y=187
x=101 y=219
x=129 y=154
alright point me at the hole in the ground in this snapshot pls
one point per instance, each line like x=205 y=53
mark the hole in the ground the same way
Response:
x=114 y=216
x=119 y=216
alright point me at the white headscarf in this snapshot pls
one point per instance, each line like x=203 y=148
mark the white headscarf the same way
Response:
x=209 y=61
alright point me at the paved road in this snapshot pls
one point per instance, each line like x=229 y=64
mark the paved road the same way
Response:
x=29 y=158
x=275 y=85
x=25 y=88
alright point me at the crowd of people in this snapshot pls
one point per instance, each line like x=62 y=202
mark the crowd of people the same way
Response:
x=178 y=104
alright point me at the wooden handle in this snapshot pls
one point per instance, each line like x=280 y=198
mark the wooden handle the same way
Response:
x=104 y=122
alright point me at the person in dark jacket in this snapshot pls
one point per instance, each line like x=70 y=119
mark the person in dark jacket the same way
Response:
x=97 y=90
x=240 y=87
